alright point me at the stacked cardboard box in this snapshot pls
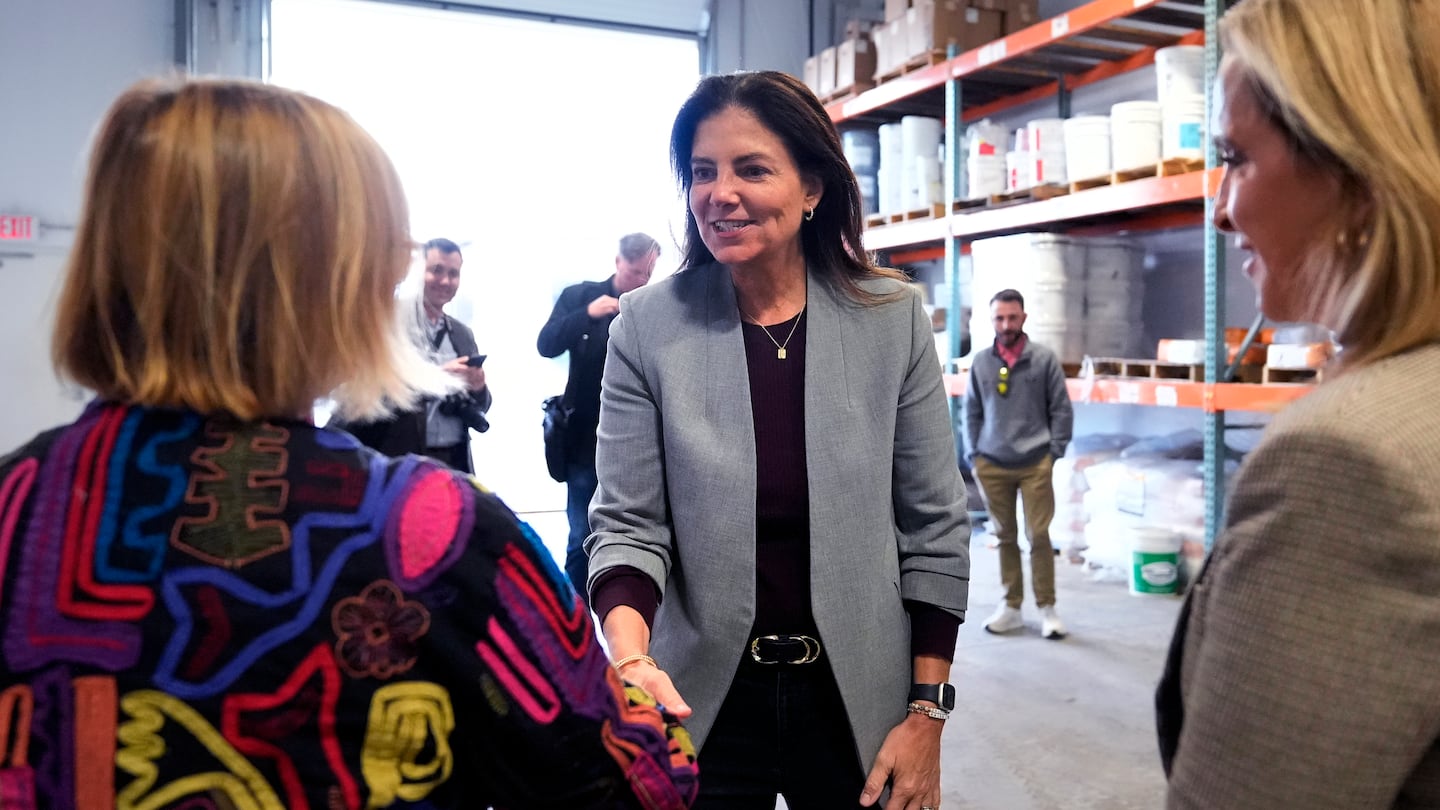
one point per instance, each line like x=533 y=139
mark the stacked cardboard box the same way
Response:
x=912 y=29
x=1018 y=13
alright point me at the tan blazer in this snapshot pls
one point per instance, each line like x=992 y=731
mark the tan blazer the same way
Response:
x=1305 y=670
x=676 y=464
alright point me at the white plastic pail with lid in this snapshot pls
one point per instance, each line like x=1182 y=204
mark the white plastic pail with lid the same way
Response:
x=1184 y=129
x=1154 y=560
x=1087 y=146
x=1179 y=72
x=1135 y=134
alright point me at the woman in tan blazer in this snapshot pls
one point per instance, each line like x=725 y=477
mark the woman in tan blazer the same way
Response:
x=1305 y=670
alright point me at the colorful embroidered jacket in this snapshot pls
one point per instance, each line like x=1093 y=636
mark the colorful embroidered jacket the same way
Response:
x=199 y=613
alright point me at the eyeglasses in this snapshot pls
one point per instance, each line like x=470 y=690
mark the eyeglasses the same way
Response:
x=1003 y=386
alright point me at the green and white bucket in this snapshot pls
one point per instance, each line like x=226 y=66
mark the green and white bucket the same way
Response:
x=1154 y=560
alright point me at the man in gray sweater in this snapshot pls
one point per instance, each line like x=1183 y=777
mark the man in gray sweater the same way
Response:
x=1017 y=422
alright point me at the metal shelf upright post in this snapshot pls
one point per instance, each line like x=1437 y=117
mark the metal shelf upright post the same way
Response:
x=956 y=187
x=1216 y=359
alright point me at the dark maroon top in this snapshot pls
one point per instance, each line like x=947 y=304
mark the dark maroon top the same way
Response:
x=782 y=507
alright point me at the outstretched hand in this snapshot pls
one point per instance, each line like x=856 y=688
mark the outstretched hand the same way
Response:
x=657 y=682
x=909 y=760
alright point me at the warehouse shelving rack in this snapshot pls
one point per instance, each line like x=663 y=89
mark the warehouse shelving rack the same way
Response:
x=1048 y=61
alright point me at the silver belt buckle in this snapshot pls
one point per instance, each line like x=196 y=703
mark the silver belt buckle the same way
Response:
x=812 y=649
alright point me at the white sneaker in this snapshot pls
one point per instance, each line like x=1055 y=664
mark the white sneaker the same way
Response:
x=1004 y=619
x=1050 y=625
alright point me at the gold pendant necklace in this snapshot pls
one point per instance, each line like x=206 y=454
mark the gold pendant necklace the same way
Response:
x=779 y=347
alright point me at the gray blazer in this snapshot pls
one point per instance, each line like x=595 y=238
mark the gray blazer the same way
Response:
x=1305 y=670
x=676 y=463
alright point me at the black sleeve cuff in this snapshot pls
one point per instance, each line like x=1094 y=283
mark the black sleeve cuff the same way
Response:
x=932 y=630
x=623 y=585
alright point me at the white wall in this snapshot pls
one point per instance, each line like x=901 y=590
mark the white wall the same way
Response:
x=63 y=61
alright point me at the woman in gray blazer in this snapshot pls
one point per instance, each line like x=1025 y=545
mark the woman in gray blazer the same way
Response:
x=1305 y=670
x=779 y=546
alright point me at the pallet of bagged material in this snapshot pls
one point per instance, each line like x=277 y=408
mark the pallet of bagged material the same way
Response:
x=1292 y=375
x=914 y=63
x=1146 y=368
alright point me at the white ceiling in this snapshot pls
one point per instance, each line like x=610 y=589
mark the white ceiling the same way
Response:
x=671 y=15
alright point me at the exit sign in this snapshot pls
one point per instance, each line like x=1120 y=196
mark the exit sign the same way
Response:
x=16 y=228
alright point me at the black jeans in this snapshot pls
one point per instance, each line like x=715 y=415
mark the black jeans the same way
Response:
x=781 y=730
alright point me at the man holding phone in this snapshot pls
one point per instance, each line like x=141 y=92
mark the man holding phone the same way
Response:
x=441 y=428
x=580 y=325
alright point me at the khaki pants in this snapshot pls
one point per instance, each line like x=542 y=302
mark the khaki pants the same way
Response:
x=1035 y=485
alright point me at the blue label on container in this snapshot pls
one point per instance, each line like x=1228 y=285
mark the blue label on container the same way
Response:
x=1190 y=135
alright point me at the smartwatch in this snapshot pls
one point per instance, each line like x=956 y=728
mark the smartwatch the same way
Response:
x=941 y=694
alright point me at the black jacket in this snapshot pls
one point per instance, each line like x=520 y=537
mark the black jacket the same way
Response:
x=404 y=432
x=571 y=329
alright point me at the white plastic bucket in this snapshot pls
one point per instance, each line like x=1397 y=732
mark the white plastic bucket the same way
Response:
x=1057 y=302
x=985 y=139
x=891 y=195
x=1045 y=167
x=1044 y=134
x=1111 y=338
x=862 y=149
x=1179 y=72
x=1048 y=257
x=1087 y=146
x=1135 y=134
x=1154 y=561
x=919 y=138
x=1114 y=259
x=1066 y=340
x=890 y=176
x=926 y=186
x=1114 y=300
x=1184 y=129
x=987 y=175
x=869 y=193
x=1045 y=145
x=1017 y=176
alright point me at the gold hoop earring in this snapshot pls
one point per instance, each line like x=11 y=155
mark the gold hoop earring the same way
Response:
x=809 y=214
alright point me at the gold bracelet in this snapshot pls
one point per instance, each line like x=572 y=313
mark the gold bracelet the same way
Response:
x=630 y=659
x=933 y=712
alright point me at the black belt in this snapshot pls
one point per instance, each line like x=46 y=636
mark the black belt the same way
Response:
x=785 y=649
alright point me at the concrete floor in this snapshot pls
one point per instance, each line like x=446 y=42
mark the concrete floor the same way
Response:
x=1044 y=724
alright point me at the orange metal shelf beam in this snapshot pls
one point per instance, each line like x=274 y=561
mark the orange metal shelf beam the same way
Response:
x=1162 y=221
x=1144 y=193
x=1073 y=23
x=1129 y=196
x=1171 y=393
x=1107 y=70
x=1062 y=26
x=928 y=254
x=905 y=234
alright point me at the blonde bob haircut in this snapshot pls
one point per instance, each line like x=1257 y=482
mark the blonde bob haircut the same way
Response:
x=238 y=252
x=1355 y=85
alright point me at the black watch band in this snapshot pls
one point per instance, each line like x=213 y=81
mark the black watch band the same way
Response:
x=941 y=694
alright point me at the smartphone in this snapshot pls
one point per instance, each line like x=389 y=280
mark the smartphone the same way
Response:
x=475 y=360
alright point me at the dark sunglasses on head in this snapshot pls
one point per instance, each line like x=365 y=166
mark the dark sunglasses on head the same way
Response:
x=1003 y=386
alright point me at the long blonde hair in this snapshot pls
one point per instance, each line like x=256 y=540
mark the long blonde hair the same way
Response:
x=1356 y=86
x=238 y=252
